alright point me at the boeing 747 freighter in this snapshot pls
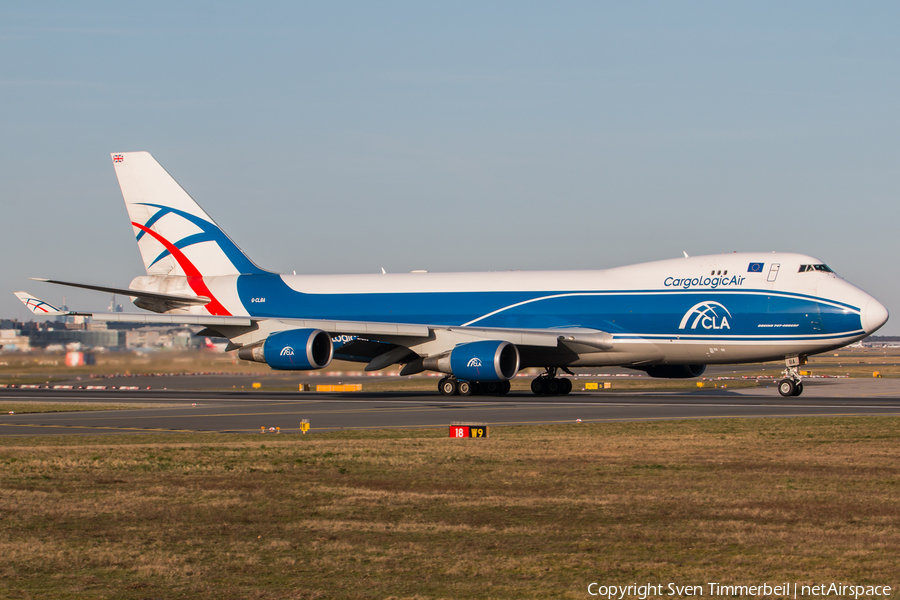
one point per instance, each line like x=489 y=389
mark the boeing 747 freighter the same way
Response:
x=669 y=318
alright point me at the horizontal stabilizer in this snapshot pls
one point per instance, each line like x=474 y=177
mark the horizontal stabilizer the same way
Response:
x=175 y=298
x=38 y=306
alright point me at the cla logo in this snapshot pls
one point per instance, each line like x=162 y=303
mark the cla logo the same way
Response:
x=709 y=315
x=475 y=362
x=287 y=351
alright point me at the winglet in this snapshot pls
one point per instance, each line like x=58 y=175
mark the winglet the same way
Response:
x=38 y=306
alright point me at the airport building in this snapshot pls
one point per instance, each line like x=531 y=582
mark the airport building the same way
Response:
x=12 y=339
x=16 y=336
x=106 y=338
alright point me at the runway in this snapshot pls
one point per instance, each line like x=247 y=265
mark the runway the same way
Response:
x=248 y=412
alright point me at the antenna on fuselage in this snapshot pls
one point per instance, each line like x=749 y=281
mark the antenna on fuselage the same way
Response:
x=685 y=254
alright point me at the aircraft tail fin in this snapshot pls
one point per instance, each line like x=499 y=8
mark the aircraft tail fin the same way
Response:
x=175 y=236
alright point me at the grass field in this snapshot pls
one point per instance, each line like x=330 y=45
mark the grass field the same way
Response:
x=531 y=512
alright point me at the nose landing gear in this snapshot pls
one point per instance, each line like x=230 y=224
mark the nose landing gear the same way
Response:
x=789 y=387
x=792 y=384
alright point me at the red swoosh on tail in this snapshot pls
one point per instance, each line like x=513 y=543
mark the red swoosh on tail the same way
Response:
x=194 y=278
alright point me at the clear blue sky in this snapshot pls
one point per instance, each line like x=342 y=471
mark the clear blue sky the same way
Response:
x=346 y=137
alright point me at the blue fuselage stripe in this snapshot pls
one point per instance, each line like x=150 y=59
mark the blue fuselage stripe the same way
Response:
x=699 y=314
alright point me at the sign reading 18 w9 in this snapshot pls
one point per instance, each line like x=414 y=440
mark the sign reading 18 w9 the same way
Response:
x=468 y=431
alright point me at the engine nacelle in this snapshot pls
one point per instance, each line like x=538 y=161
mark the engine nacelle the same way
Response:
x=490 y=360
x=294 y=350
x=676 y=371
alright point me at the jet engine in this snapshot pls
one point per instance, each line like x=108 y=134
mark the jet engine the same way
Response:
x=490 y=360
x=294 y=350
x=676 y=371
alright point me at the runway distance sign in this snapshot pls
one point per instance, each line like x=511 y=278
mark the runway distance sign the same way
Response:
x=469 y=430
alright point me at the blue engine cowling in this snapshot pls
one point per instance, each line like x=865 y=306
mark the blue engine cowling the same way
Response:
x=489 y=360
x=297 y=350
x=675 y=371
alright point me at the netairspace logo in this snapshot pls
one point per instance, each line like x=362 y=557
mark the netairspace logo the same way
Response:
x=709 y=315
x=475 y=362
x=287 y=351
x=786 y=590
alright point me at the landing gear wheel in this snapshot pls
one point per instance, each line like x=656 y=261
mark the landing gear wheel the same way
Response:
x=491 y=387
x=553 y=387
x=447 y=386
x=504 y=388
x=792 y=384
x=465 y=388
x=787 y=387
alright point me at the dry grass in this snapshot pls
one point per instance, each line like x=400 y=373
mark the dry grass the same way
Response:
x=531 y=512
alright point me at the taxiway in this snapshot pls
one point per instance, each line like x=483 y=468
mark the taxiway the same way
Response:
x=247 y=412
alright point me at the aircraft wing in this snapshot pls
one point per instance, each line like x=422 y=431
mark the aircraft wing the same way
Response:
x=384 y=344
x=440 y=337
x=374 y=331
x=381 y=344
x=170 y=319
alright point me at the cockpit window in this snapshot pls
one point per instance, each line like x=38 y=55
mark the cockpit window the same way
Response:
x=820 y=267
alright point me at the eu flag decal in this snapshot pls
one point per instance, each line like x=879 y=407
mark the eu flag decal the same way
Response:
x=755 y=268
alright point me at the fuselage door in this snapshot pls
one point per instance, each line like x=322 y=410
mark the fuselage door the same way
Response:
x=773 y=272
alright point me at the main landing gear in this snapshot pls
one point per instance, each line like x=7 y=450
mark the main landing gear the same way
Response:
x=549 y=384
x=448 y=386
x=792 y=384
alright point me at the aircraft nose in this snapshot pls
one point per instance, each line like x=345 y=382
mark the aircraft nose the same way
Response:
x=874 y=315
